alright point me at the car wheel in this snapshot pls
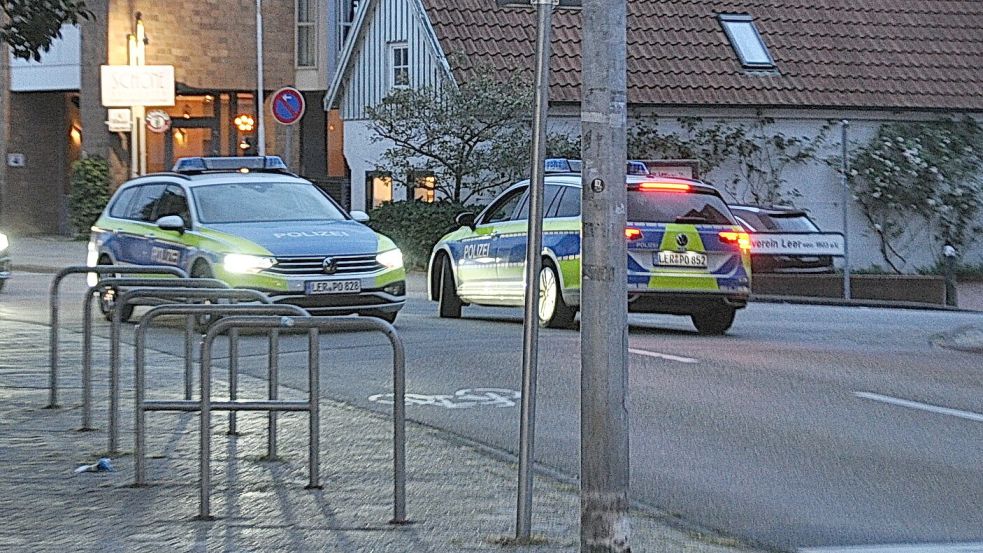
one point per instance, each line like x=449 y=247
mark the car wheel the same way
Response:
x=107 y=300
x=715 y=322
x=449 y=303
x=553 y=311
x=388 y=316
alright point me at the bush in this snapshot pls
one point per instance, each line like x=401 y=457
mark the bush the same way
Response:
x=416 y=226
x=89 y=194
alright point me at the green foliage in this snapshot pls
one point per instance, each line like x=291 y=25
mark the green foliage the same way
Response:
x=761 y=155
x=925 y=176
x=472 y=138
x=89 y=194
x=416 y=226
x=30 y=26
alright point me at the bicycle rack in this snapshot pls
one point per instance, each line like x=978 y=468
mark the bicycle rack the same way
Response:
x=53 y=304
x=140 y=296
x=313 y=325
x=192 y=310
x=87 y=329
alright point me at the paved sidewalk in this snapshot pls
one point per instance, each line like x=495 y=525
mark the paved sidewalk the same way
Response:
x=459 y=498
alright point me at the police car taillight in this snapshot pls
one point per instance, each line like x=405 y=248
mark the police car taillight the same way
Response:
x=742 y=239
x=633 y=234
x=664 y=186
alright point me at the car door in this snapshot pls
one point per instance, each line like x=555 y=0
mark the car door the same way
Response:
x=136 y=233
x=167 y=246
x=476 y=266
x=509 y=249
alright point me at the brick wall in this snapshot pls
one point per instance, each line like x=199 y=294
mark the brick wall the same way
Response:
x=210 y=43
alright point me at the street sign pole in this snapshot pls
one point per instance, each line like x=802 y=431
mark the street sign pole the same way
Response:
x=260 y=116
x=604 y=523
x=846 y=211
x=534 y=262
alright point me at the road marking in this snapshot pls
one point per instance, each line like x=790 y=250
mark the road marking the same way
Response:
x=666 y=356
x=966 y=547
x=461 y=399
x=969 y=415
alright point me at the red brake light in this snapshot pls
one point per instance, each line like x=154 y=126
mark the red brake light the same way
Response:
x=632 y=234
x=665 y=186
x=742 y=239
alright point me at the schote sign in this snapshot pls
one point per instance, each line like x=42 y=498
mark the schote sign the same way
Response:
x=798 y=243
x=137 y=85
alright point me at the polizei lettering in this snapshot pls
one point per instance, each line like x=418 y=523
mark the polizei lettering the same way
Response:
x=472 y=251
x=312 y=234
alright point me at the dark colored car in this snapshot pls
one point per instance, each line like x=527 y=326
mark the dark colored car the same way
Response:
x=781 y=219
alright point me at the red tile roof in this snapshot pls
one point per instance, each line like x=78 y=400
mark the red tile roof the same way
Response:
x=876 y=54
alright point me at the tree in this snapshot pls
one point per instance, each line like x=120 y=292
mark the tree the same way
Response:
x=473 y=138
x=30 y=26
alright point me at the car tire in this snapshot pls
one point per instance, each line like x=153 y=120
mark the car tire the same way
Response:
x=388 y=316
x=448 y=303
x=553 y=311
x=107 y=300
x=715 y=322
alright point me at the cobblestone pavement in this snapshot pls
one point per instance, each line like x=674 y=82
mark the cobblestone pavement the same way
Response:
x=459 y=498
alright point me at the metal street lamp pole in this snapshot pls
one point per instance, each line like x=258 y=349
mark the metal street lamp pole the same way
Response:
x=534 y=263
x=261 y=132
x=604 y=523
x=846 y=211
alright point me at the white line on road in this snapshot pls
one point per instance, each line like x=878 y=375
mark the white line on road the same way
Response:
x=965 y=547
x=969 y=415
x=658 y=355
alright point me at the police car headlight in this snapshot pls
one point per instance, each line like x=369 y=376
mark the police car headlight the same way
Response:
x=242 y=263
x=3 y=241
x=393 y=259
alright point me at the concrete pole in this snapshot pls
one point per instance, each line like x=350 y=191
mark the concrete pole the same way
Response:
x=534 y=263
x=260 y=114
x=604 y=524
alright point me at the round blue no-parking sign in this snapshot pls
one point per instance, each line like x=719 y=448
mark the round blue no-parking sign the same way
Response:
x=287 y=105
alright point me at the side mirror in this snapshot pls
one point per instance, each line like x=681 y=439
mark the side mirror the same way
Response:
x=465 y=219
x=360 y=216
x=172 y=222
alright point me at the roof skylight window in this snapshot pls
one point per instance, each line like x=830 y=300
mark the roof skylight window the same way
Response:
x=746 y=41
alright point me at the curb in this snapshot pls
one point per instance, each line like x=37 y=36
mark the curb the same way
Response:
x=840 y=302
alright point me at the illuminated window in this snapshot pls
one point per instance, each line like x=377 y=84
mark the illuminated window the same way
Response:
x=379 y=188
x=399 y=65
x=746 y=41
x=424 y=187
x=306 y=33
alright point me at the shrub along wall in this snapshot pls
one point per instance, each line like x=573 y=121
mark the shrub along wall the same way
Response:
x=416 y=226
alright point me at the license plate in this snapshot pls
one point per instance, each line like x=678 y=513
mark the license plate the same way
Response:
x=682 y=259
x=334 y=287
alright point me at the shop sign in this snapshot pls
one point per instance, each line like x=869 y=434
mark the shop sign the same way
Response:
x=158 y=121
x=137 y=85
x=119 y=120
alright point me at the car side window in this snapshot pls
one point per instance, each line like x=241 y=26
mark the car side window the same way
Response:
x=551 y=192
x=143 y=208
x=173 y=202
x=502 y=209
x=121 y=206
x=569 y=203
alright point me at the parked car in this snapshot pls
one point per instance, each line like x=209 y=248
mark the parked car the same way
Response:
x=687 y=255
x=4 y=259
x=781 y=219
x=249 y=222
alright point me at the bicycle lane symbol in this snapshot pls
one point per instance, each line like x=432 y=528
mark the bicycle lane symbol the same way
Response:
x=466 y=398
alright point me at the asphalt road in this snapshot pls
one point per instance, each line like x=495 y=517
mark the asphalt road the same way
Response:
x=805 y=426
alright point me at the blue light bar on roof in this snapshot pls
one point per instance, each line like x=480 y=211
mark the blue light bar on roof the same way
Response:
x=559 y=165
x=248 y=163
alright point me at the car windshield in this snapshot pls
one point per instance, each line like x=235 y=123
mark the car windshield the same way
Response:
x=262 y=202
x=656 y=206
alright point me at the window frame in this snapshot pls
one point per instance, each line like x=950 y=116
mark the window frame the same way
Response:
x=346 y=15
x=370 y=177
x=726 y=19
x=311 y=27
x=417 y=178
x=391 y=67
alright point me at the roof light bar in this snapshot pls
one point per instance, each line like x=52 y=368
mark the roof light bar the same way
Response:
x=249 y=163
